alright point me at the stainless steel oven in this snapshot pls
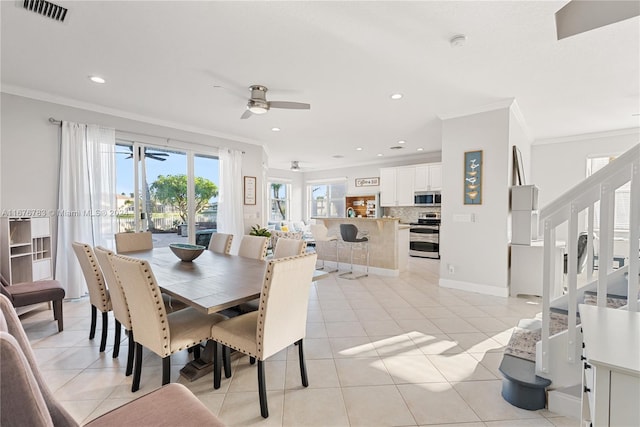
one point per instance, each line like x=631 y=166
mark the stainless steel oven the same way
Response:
x=424 y=236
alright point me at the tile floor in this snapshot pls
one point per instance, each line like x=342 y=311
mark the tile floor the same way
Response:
x=380 y=351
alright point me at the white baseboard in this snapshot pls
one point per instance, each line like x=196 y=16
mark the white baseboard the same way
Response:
x=566 y=401
x=474 y=287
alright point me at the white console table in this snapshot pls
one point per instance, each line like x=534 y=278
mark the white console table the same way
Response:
x=527 y=267
x=611 y=380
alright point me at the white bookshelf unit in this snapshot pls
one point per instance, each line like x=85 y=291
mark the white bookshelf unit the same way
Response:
x=26 y=249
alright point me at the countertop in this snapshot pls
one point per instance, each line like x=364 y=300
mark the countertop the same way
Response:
x=356 y=218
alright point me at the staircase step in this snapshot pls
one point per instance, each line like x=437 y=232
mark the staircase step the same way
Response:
x=521 y=386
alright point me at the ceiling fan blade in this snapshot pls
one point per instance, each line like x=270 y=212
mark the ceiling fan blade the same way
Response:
x=579 y=16
x=290 y=105
x=246 y=114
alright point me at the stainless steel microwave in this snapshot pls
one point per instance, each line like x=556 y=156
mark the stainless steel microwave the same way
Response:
x=427 y=198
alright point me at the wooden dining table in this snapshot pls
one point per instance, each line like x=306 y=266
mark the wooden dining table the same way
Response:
x=210 y=283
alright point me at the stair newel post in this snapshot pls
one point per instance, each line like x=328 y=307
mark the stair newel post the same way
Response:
x=572 y=276
x=590 y=253
x=634 y=237
x=606 y=242
x=547 y=277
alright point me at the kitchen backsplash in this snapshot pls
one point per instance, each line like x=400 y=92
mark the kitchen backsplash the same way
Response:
x=409 y=213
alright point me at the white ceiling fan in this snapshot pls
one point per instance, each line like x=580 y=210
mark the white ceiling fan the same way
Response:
x=258 y=103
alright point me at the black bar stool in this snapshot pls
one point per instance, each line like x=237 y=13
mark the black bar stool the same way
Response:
x=349 y=233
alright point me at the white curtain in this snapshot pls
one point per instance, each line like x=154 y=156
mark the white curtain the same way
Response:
x=86 y=198
x=230 y=203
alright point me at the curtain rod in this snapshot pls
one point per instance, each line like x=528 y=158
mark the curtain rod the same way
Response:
x=59 y=122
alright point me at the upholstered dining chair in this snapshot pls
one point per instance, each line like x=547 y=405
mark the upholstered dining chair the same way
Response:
x=26 y=400
x=221 y=243
x=253 y=247
x=28 y=293
x=162 y=333
x=280 y=321
x=98 y=292
x=320 y=234
x=119 y=305
x=284 y=248
x=132 y=242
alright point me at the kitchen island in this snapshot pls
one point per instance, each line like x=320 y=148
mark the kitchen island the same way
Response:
x=388 y=245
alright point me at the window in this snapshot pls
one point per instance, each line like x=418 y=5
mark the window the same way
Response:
x=622 y=197
x=327 y=199
x=279 y=201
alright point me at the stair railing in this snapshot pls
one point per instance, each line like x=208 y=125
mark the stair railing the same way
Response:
x=599 y=187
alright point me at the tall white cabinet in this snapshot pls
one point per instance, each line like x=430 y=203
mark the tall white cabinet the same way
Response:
x=396 y=186
x=26 y=249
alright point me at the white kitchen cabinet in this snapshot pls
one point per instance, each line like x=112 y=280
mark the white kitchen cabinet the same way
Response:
x=397 y=186
x=611 y=379
x=26 y=249
x=428 y=177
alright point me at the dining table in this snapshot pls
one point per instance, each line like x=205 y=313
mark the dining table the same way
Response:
x=211 y=283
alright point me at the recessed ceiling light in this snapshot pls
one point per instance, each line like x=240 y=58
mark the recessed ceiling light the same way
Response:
x=396 y=96
x=402 y=141
x=338 y=156
x=420 y=149
x=275 y=129
x=359 y=149
x=380 y=154
x=97 y=79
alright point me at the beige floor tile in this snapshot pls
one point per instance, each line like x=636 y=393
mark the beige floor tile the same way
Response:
x=321 y=374
x=340 y=304
x=314 y=348
x=381 y=327
x=485 y=399
x=80 y=410
x=454 y=325
x=412 y=370
x=405 y=313
x=466 y=310
x=488 y=324
x=396 y=345
x=491 y=361
x=74 y=358
x=316 y=330
x=57 y=378
x=352 y=347
x=243 y=409
x=362 y=372
x=369 y=314
x=476 y=342
x=314 y=407
x=344 y=329
x=314 y=315
x=564 y=422
x=478 y=424
x=423 y=326
x=245 y=377
x=536 y=422
x=376 y=406
x=106 y=406
x=460 y=367
x=90 y=385
x=437 y=312
x=343 y=315
x=436 y=403
x=435 y=343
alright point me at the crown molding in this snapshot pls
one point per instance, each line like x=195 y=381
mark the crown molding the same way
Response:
x=505 y=103
x=74 y=103
x=582 y=137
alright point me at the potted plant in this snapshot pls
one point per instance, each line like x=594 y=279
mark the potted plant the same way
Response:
x=256 y=230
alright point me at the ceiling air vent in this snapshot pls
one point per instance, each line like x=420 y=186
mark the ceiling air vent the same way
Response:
x=46 y=9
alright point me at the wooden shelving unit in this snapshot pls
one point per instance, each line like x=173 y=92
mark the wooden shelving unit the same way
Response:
x=26 y=244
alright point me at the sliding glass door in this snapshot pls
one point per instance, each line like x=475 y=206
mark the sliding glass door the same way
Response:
x=170 y=192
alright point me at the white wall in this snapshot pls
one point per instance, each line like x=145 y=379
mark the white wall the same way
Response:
x=477 y=251
x=558 y=165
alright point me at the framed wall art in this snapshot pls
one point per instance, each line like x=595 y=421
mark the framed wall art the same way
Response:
x=473 y=177
x=249 y=190
x=367 y=182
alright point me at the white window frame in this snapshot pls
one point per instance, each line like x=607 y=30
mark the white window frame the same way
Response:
x=287 y=198
x=331 y=201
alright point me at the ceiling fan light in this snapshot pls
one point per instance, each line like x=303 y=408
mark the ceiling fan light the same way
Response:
x=256 y=109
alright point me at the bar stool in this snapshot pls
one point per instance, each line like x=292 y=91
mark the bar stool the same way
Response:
x=349 y=233
x=320 y=234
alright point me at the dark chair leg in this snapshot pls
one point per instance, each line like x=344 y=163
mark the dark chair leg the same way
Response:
x=217 y=368
x=196 y=351
x=137 y=371
x=303 y=367
x=166 y=370
x=94 y=315
x=132 y=352
x=57 y=314
x=262 y=390
x=105 y=325
x=226 y=357
x=252 y=360
x=116 y=340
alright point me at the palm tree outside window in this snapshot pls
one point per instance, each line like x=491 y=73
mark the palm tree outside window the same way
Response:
x=279 y=201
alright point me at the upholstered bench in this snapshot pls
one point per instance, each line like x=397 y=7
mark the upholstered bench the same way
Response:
x=28 y=293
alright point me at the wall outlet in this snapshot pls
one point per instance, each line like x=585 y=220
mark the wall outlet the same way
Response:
x=452 y=269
